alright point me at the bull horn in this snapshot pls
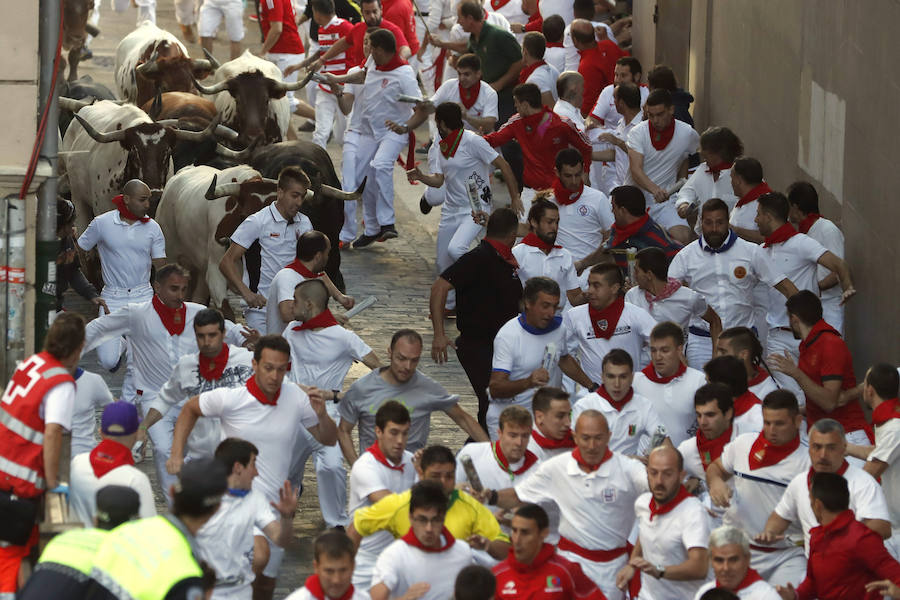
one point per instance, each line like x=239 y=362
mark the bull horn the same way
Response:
x=201 y=64
x=210 y=89
x=212 y=59
x=113 y=136
x=73 y=104
x=232 y=154
x=150 y=67
x=220 y=191
x=168 y=122
x=293 y=86
x=156 y=107
x=268 y=180
x=198 y=136
x=225 y=132
x=338 y=194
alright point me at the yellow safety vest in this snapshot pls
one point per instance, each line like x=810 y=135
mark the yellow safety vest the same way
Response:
x=143 y=560
x=75 y=549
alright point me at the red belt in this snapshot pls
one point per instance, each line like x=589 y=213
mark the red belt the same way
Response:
x=593 y=555
x=765 y=548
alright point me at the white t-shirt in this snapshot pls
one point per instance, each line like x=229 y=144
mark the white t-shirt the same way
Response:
x=887 y=450
x=379 y=100
x=544 y=453
x=556 y=56
x=558 y=265
x=867 y=500
x=125 y=250
x=758 y=590
x=605 y=108
x=632 y=334
x=564 y=108
x=321 y=357
x=471 y=161
x=519 y=349
x=630 y=428
x=272 y=429
x=623 y=130
x=83 y=486
x=369 y=476
x=280 y=290
x=91 y=393
x=681 y=307
x=798 y=259
x=493 y=475
x=58 y=405
x=764 y=387
x=513 y=12
x=832 y=239
x=485 y=104
x=674 y=401
x=701 y=186
x=583 y=223
x=745 y=216
x=751 y=421
x=545 y=77
x=661 y=166
x=666 y=539
x=402 y=565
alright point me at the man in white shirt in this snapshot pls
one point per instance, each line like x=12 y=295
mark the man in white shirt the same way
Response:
x=536 y=70
x=658 y=150
x=627 y=70
x=671 y=552
x=748 y=414
x=265 y=412
x=729 y=551
x=109 y=463
x=384 y=468
x=526 y=351
x=91 y=393
x=827 y=448
x=227 y=541
x=628 y=102
x=742 y=343
x=804 y=213
x=554 y=28
x=748 y=185
x=570 y=91
x=762 y=466
x=595 y=490
x=333 y=560
x=725 y=269
x=422 y=564
x=276 y=228
x=719 y=147
x=669 y=383
x=552 y=433
x=632 y=418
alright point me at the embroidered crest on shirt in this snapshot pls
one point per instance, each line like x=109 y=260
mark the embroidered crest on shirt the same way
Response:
x=603 y=324
x=740 y=272
x=632 y=429
x=554 y=584
x=509 y=589
x=609 y=495
x=583 y=210
x=760 y=454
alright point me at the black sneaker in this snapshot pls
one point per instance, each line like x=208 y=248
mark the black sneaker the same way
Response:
x=388 y=232
x=424 y=206
x=424 y=149
x=365 y=240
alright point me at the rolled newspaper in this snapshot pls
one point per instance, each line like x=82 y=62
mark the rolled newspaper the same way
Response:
x=549 y=356
x=361 y=306
x=408 y=99
x=472 y=188
x=631 y=257
x=471 y=473
x=673 y=189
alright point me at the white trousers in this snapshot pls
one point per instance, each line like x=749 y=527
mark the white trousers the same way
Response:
x=698 y=351
x=283 y=61
x=780 y=567
x=256 y=318
x=377 y=158
x=351 y=176
x=603 y=574
x=665 y=215
x=331 y=476
x=186 y=11
x=833 y=313
x=456 y=232
x=213 y=12
x=328 y=117
x=161 y=435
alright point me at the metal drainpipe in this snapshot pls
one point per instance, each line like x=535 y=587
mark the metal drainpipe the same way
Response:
x=13 y=281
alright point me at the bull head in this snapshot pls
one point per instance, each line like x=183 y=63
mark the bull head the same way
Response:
x=242 y=200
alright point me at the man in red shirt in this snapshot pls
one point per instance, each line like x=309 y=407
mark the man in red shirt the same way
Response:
x=825 y=369
x=844 y=554
x=533 y=570
x=282 y=43
x=597 y=64
x=400 y=13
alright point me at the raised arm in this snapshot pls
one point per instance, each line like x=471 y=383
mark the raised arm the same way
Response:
x=467 y=423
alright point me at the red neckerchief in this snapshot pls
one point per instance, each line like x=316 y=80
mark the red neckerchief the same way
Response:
x=616 y=404
x=563 y=195
x=756 y=192
x=531 y=122
x=672 y=286
x=396 y=61
x=661 y=139
x=119 y=202
x=604 y=321
x=884 y=412
x=377 y=454
x=211 y=369
x=323 y=319
x=780 y=235
x=818 y=329
x=468 y=96
x=714 y=170
x=710 y=450
x=655 y=377
x=302 y=270
x=172 y=318
x=530 y=459
x=620 y=234
x=549 y=443
x=544 y=554
x=449 y=144
x=749 y=579
x=761 y=375
x=656 y=509
x=498 y=4
x=257 y=393
x=745 y=402
x=411 y=539
x=811 y=472
x=576 y=454
x=504 y=251
x=526 y=72
x=765 y=454
x=533 y=240
x=108 y=455
x=313 y=586
x=807 y=222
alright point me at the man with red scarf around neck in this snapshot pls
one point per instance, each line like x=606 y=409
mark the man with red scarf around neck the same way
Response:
x=532 y=563
x=762 y=465
x=729 y=550
x=423 y=564
x=595 y=490
x=552 y=433
x=748 y=185
x=719 y=146
x=673 y=528
x=844 y=555
x=742 y=343
x=536 y=70
x=728 y=370
x=333 y=561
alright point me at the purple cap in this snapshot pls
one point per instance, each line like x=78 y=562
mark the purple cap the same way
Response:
x=119 y=418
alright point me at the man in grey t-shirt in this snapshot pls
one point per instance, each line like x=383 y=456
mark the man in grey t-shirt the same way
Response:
x=399 y=381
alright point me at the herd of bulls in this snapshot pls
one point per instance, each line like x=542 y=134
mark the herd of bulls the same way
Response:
x=209 y=163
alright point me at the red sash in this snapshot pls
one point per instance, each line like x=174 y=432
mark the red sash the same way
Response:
x=808 y=221
x=749 y=579
x=411 y=539
x=811 y=472
x=745 y=402
x=756 y=192
x=469 y=96
x=395 y=62
x=314 y=587
x=887 y=410
x=257 y=393
x=576 y=454
x=533 y=240
x=450 y=144
x=530 y=459
x=550 y=444
x=526 y=72
x=302 y=270
x=618 y=405
x=711 y=450
x=504 y=251
x=621 y=234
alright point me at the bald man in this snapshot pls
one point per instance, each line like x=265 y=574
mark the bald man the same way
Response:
x=128 y=242
x=597 y=63
x=673 y=531
x=595 y=491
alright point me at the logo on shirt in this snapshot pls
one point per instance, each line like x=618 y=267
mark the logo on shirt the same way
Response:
x=509 y=589
x=740 y=272
x=632 y=429
x=274 y=234
x=759 y=454
x=583 y=210
x=608 y=495
x=603 y=324
x=554 y=584
x=384 y=83
x=557 y=141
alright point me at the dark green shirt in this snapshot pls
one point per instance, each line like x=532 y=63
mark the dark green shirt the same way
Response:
x=498 y=50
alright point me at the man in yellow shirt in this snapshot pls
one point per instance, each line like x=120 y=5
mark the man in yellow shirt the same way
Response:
x=466 y=519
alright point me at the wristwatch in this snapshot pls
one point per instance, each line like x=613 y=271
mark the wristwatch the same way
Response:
x=662 y=571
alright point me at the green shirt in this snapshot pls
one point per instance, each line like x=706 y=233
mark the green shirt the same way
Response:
x=498 y=50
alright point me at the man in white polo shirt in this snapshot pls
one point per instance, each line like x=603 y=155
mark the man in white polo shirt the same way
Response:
x=742 y=343
x=552 y=433
x=748 y=185
x=762 y=466
x=748 y=415
x=266 y=413
x=725 y=270
x=595 y=490
x=827 y=448
x=719 y=147
x=570 y=91
x=729 y=550
x=669 y=383
x=627 y=70
x=658 y=149
x=673 y=530
x=276 y=229
x=631 y=417
x=536 y=70
x=526 y=351
x=384 y=468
